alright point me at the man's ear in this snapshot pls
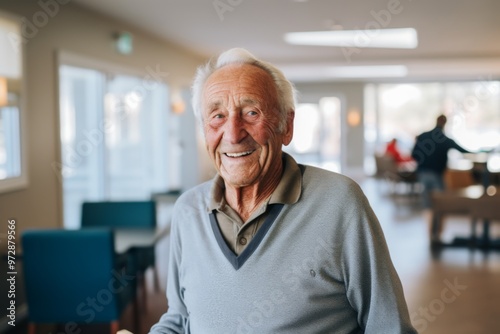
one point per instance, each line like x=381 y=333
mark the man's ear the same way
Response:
x=288 y=135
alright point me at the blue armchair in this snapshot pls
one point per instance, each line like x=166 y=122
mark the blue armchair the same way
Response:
x=75 y=277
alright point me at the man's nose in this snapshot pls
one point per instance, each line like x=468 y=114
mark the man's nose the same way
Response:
x=234 y=130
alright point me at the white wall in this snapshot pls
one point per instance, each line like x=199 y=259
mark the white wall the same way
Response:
x=79 y=31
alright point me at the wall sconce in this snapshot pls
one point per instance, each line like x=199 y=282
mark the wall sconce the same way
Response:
x=178 y=107
x=3 y=92
x=353 y=117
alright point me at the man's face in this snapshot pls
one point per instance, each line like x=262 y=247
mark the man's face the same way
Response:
x=241 y=118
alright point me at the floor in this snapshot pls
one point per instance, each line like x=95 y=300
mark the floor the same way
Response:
x=448 y=290
x=451 y=290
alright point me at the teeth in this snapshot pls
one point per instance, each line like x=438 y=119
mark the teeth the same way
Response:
x=236 y=155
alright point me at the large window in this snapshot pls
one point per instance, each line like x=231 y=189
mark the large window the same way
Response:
x=13 y=173
x=114 y=138
x=10 y=144
x=403 y=111
x=317 y=136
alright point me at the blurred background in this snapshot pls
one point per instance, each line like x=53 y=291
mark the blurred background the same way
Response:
x=95 y=106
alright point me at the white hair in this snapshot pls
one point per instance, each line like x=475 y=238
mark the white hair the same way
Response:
x=285 y=89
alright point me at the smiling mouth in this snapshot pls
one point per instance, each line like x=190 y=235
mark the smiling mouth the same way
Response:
x=238 y=155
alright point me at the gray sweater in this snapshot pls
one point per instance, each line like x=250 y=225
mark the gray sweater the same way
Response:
x=322 y=266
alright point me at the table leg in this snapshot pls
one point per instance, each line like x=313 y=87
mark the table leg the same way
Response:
x=435 y=227
x=486 y=233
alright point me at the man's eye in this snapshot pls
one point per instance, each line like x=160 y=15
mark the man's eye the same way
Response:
x=252 y=113
x=216 y=119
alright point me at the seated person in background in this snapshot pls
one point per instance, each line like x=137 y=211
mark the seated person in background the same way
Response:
x=404 y=163
x=271 y=246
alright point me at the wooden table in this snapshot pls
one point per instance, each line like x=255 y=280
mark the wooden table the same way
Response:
x=136 y=245
x=487 y=164
x=465 y=201
x=127 y=238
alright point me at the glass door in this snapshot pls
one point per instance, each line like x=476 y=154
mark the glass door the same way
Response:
x=317 y=134
x=114 y=138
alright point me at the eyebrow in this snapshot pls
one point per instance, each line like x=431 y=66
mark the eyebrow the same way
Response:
x=249 y=101
x=244 y=101
x=214 y=105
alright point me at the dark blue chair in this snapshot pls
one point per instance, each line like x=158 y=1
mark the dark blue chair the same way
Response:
x=126 y=215
x=119 y=214
x=75 y=277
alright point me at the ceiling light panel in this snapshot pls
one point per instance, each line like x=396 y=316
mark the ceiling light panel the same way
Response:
x=403 y=38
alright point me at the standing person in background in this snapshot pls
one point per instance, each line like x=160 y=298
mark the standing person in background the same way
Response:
x=268 y=245
x=431 y=154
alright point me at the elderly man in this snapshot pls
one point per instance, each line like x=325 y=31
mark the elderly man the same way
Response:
x=268 y=245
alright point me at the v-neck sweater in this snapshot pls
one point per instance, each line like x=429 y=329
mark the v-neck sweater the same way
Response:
x=322 y=266
x=238 y=234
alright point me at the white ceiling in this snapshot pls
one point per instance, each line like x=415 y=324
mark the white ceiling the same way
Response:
x=458 y=39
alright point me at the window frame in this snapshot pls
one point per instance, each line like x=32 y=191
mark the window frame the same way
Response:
x=21 y=181
x=110 y=71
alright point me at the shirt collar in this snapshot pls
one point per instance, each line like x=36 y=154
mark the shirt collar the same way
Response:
x=287 y=192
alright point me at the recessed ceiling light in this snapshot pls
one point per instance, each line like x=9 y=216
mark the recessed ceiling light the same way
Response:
x=403 y=38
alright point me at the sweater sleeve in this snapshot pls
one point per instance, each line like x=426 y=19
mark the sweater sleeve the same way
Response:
x=175 y=320
x=453 y=144
x=372 y=284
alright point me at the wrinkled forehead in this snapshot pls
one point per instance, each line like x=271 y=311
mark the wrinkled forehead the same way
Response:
x=242 y=80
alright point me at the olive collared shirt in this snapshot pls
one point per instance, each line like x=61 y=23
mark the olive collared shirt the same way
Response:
x=235 y=231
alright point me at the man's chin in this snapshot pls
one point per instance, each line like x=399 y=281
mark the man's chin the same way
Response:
x=236 y=181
